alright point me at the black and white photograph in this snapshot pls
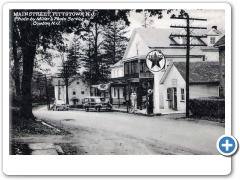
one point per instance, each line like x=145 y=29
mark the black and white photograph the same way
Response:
x=116 y=81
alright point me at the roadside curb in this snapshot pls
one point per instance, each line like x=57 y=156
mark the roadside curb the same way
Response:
x=45 y=149
x=136 y=113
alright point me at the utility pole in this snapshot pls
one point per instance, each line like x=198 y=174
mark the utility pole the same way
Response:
x=47 y=96
x=66 y=73
x=90 y=63
x=189 y=34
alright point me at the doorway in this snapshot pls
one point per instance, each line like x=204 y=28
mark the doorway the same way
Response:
x=172 y=96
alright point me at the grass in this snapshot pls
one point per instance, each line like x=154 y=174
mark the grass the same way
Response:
x=20 y=126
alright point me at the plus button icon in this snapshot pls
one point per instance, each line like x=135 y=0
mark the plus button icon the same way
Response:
x=227 y=145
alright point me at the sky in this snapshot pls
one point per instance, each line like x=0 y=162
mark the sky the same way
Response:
x=214 y=18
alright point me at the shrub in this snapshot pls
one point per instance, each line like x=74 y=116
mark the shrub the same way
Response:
x=207 y=107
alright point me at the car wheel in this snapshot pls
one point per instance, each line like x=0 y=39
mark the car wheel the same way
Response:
x=86 y=109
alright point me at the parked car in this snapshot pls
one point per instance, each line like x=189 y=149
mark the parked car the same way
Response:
x=60 y=105
x=96 y=103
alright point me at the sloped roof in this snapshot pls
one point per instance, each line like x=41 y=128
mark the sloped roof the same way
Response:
x=119 y=63
x=159 y=38
x=62 y=80
x=199 y=72
x=156 y=37
x=220 y=42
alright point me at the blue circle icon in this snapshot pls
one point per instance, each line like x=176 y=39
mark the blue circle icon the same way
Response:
x=227 y=145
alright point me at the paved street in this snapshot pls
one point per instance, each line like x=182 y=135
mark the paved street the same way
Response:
x=115 y=133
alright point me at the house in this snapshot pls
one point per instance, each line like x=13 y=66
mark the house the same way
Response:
x=204 y=53
x=117 y=86
x=77 y=90
x=139 y=78
x=221 y=45
x=203 y=82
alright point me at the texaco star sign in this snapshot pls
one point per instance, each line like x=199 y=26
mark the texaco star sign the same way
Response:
x=155 y=61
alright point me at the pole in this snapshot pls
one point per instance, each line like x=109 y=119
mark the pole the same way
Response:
x=187 y=67
x=66 y=81
x=90 y=70
x=48 y=105
x=188 y=45
x=118 y=96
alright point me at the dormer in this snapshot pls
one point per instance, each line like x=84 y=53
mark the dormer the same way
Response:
x=213 y=36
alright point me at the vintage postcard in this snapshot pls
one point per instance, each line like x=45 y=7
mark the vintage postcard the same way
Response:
x=118 y=79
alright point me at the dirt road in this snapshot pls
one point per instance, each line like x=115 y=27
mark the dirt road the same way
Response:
x=116 y=133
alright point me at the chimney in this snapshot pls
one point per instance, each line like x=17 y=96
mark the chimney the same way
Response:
x=214 y=27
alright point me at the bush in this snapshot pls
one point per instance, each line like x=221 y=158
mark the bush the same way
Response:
x=207 y=107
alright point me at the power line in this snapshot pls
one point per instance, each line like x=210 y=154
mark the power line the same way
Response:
x=188 y=45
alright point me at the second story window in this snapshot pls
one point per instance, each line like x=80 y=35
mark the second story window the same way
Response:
x=74 y=92
x=212 y=40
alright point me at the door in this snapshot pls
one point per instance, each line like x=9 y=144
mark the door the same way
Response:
x=172 y=97
x=175 y=98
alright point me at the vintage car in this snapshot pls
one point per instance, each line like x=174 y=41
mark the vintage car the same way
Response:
x=60 y=105
x=97 y=103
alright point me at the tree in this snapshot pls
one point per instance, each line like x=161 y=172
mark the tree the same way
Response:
x=71 y=66
x=97 y=68
x=114 y=44
x=30 y=37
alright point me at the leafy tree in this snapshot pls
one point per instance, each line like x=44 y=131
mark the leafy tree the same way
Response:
x=98 y=61
x=30 y=37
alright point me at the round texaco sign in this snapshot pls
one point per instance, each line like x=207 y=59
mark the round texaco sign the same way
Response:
x=155 y=61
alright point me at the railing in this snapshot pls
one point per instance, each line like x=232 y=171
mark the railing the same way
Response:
x=146 y=75
x=135 y=75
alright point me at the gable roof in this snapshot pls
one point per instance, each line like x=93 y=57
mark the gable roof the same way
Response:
x=62 y=80
x=156 y=37
x=153 y=37
x=199 y=72
x=119 y=63
x=220 y=42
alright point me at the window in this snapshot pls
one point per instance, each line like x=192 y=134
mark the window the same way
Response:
x=212 y=40
x=126 y=68
x=74 y=92
x=133 y=67
x=82 y=92
x=115 y=92
x=182 y=95
x=77 y=82
x=120 y=72
x=129 y=68
x=168 y=93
